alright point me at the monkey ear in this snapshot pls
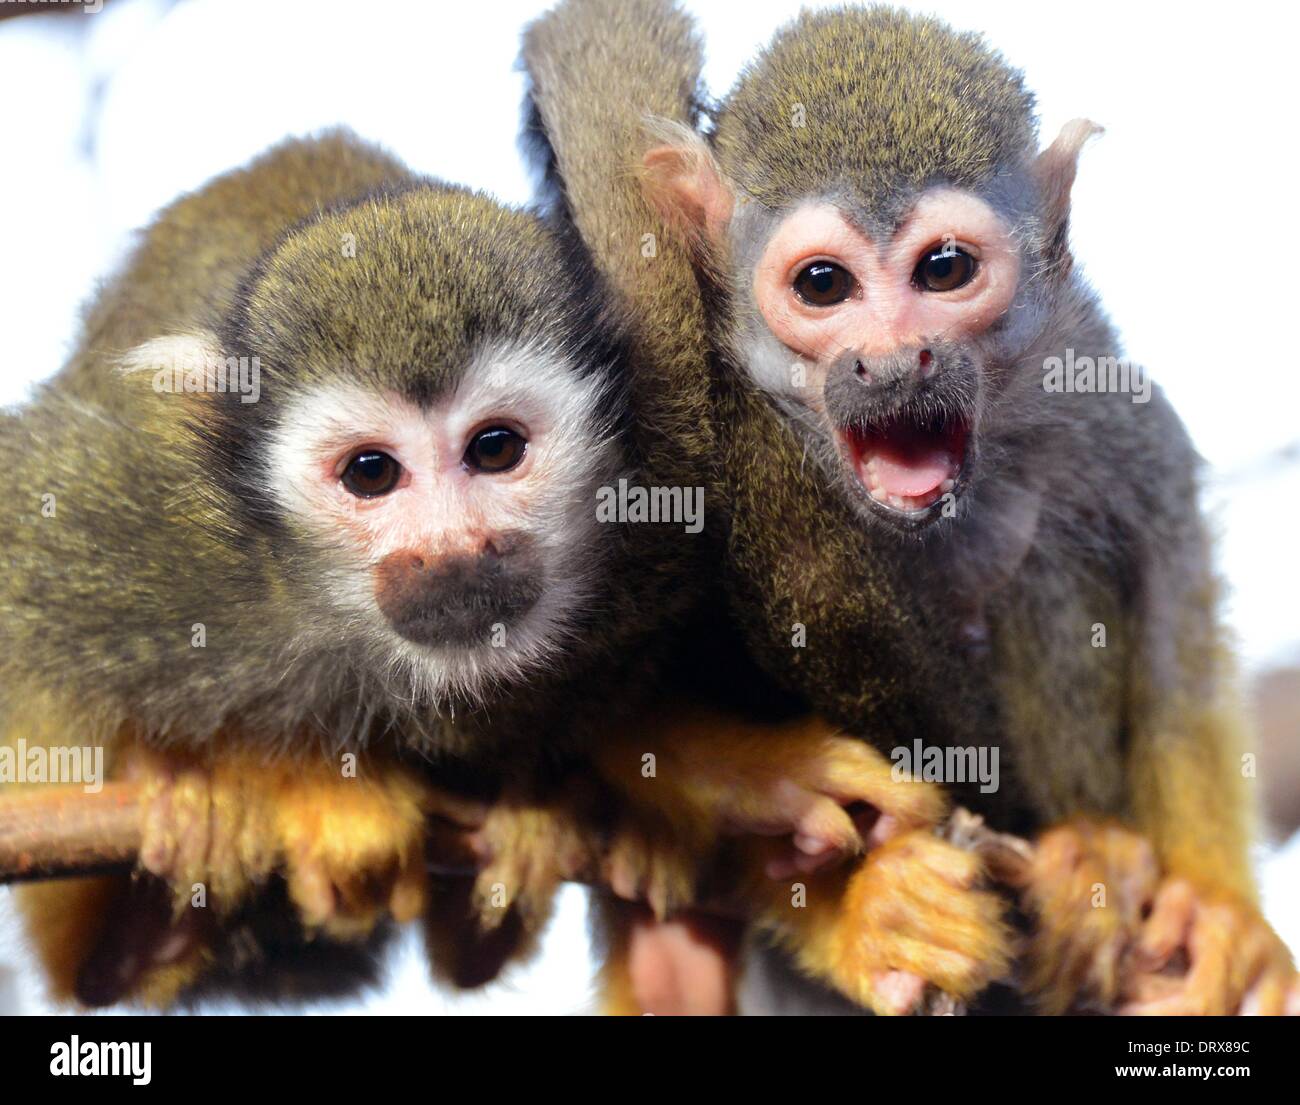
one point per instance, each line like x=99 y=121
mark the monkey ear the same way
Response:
x=187 y=368
x=684 y=184
x=173 y=359
x=1054 y=170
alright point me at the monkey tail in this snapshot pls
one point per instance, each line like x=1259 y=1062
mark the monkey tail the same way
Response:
x=598 y=72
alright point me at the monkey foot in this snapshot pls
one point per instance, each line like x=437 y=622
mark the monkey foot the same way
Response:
x=145 y=951
x=1200 y=954
x=915 y=915
x=1089 y=885
x=1112 y=934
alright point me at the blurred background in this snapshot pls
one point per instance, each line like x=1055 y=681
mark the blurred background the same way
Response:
x=1181 y=215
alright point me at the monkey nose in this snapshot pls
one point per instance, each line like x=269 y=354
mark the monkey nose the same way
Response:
x=901 y=363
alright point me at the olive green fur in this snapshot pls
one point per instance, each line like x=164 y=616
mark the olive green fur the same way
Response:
x=874 y=101
x=895 y=104
x=162 y=522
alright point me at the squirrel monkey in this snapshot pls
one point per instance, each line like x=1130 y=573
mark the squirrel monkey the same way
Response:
x=308 y=528
x=975 y=550
x=597 y=68
x=311 y=501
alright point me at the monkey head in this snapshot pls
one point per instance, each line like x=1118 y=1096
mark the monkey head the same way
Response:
x=887 y=239
x=437 y=406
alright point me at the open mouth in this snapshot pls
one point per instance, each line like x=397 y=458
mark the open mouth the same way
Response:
x=907 y=463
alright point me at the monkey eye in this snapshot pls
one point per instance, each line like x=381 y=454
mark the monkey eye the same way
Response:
x=371 y=473
x=944 y=269
x=824 y=284
x=496 y=449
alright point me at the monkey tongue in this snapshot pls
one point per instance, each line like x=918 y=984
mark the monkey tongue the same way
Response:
x=906 y=462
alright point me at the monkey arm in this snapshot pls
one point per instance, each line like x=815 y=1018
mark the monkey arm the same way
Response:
x=597 y=71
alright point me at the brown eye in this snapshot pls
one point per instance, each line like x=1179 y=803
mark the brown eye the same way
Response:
x=371 y=473
x=497 y=449
x=944 y=269
x=823 y=284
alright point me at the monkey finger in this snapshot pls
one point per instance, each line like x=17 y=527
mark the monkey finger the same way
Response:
x=882 y=830
x=1167 y=928
x=859 y=774
x=791 y=808
x=312 y=891
x=1215 y=977
x=796 y=860
x=896 y=993
x=158 y=843
x=1206 y=989
x=407 y=900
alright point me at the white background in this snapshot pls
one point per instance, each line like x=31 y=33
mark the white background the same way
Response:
x=1182 y=216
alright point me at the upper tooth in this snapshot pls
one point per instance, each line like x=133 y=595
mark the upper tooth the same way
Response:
x=947 y=485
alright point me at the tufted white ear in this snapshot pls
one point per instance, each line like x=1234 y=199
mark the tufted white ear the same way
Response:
x=191 y=364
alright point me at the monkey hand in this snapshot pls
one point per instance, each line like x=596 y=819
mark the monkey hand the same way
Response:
x=1087 y=889
x=914 y=914
x=349 y=845
x=800 y=779
x=1205 y=954
x=835 y=796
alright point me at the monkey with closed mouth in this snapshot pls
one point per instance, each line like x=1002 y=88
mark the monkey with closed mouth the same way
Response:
x=325 y=559
x=883 y=250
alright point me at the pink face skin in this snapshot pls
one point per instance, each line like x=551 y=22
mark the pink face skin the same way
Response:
x=439 y=508
x=886 y=310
